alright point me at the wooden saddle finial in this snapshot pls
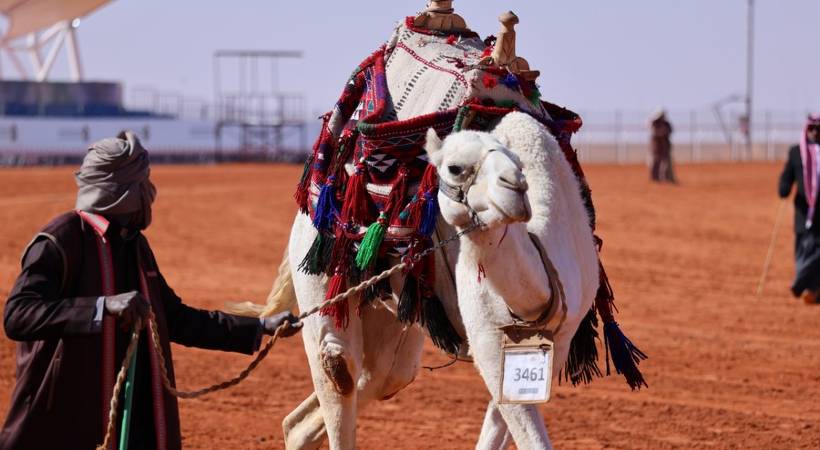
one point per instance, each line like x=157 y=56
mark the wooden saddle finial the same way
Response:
x=440 y=16
x=504 y=55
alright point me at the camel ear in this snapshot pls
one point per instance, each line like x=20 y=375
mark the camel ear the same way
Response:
x=433 y=147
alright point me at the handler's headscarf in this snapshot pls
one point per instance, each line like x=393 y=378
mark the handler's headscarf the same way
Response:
x=810 y=162
x=114 y=180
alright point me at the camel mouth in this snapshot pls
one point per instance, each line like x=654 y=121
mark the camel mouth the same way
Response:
x=511 y=217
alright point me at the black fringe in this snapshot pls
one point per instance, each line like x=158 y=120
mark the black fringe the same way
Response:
x=582 y=361
x=409 y=310
x=442 y=332
x=317 y=259
x=625 y=356
x=378 y=291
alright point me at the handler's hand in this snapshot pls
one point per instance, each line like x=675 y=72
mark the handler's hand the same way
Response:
x=270 y=324
x=128 y=307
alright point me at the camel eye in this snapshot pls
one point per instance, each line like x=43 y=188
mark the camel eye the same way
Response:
x=455 y=170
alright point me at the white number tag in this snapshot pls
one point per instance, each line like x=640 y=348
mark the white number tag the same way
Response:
x=527 y=376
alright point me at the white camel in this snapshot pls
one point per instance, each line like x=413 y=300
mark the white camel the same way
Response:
x=376 y=356
x=499 y=270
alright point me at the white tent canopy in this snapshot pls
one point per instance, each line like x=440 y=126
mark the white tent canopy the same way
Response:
x=28 y=16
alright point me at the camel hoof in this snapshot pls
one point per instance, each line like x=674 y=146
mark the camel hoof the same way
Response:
x=336 y=371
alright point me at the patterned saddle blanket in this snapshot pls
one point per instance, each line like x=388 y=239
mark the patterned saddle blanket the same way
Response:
x=368 y=185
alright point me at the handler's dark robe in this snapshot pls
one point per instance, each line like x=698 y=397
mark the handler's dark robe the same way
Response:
x=807 y=241
x=57 y=401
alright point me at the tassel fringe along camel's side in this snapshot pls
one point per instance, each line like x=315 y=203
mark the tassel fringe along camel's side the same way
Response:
x=282 y=296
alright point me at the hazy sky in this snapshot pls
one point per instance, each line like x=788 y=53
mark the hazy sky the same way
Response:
x=593 y=54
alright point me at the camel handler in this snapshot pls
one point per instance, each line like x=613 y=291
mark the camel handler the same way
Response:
x=803 y=169
x=661 y=148
x=86 y=279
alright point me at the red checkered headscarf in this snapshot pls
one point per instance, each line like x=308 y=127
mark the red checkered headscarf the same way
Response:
x=810 y=162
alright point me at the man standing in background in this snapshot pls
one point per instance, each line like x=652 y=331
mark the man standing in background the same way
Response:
x=661 y=148
x=802 y=168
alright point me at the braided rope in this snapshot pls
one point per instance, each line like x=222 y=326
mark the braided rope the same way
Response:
x=115 y=396
x=132 y=345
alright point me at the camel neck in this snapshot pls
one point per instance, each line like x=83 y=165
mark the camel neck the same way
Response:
x=505 y=263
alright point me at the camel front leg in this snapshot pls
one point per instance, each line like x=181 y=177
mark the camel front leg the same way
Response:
x=524 y=422
x=392 y=356
x=304 y=427
x=335 y=358
x=494 y=432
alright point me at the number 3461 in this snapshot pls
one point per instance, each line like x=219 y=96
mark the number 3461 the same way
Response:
x=529 y=374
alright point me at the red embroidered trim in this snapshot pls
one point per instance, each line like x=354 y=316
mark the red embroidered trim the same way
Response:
x=418 y=58
x=109 y=335
x=98 y=222
x=157 y=390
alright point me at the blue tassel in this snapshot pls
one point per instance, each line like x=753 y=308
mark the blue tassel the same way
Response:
x=511 y=81
x=625 y=356
x=429 y=214
x=326 y=210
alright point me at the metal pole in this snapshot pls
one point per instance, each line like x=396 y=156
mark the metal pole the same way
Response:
x=693 y=134
x=74 y=63
x=769 y=141
x=749 y=75
x=618 y=137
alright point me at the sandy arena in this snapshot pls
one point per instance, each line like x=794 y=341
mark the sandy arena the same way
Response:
x=726 y=369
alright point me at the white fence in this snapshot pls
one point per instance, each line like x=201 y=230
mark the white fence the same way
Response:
x=622 y=137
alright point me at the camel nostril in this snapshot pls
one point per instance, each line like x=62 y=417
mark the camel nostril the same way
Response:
x=513 y=180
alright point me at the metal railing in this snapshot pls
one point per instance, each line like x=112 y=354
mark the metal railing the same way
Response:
x=622 y=136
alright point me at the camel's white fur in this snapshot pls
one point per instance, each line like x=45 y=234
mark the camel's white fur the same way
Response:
x=515 y=278
x=380 y=354
x=527 y=179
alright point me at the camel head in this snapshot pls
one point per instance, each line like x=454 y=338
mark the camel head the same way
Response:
x=478 y=175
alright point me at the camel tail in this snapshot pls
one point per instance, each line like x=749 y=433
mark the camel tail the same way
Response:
x=282 y=296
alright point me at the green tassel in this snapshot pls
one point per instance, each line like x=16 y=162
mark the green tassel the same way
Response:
x=369 y=248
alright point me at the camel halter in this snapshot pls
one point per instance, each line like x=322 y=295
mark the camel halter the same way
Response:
x=554 y=315
x=458 y=193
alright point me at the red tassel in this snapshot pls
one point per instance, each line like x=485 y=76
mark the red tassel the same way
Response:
x=411 y=215
x=428 y=268
x=451 y=39
x=339 y=255
x=356 y=207
x=397 y=195
x=339 y=311
x=429 y=179
x=302 y=189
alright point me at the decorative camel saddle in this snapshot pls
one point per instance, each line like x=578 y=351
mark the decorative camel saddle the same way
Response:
x=371 y=192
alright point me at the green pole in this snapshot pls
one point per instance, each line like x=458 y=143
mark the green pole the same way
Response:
x=126 y=408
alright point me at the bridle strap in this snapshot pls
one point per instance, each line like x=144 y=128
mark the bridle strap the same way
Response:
x=458 y=193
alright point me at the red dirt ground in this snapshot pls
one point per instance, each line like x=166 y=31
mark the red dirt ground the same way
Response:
x=726 y=369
